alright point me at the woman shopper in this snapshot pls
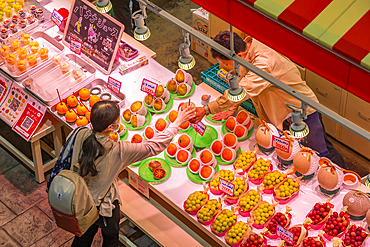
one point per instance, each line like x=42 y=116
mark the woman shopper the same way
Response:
x=113 y=157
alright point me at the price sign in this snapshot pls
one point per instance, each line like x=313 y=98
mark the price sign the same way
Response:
x=114 y=85
x=57 y=18
x=226 y=187
x=281 y=144
x=75 y=46
x=29 y=120
x=284 y=234
x=199 y=127
x=138 y=183
x=149 y=87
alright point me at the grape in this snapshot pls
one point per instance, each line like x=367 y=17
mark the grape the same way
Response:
x=249 y=200
x=262 y=213
x=239 y=186
x=224 y=174
x=273 y=179
x=244 y=160
x=224 y=221
x=260 y=167
x=195 y=200
x=288 y=188
x=236 y=232
x=206 y=213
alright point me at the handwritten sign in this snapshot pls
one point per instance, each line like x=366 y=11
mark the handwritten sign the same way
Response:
x=57 y=18
x=281 y=144
x=199 y=127
x=114 y=85
x=284 y=234
x=75 y=46
x=99 y=33
x=138 y=183
x=226 y=187
x=149 y=87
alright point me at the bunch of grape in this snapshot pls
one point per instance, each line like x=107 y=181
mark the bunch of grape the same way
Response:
x=206 y=213
x=239 y=186
x=236 y=232
x=195 y=200
x=224 y=174
x=262 y=213
x=244 y=160
x=260 y=167
x=273 y=179
x=224 y=221
x=277 y=219
x=250 y=200
x=288 y=188
x=254 y=240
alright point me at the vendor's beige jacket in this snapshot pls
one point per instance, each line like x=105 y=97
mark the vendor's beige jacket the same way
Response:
x=104 y=186
x=269 y=101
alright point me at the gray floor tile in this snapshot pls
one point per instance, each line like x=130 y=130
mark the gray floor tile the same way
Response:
x=6 y=240
x=143 y=241
x=45 y=207
x=6 y=161
x=29 y=227
x=54 y=239
x=5 y=214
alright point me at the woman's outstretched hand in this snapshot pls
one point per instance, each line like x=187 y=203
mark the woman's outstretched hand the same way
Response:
x=185 y=115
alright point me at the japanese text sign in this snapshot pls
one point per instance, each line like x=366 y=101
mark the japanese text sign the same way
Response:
x=281 y=144
x=226 y=187
x=138 y=183
x=114 y=85
x=57 y=18
x=284 y=234
x=75 y=46
x=149 y=87
x=199 y=127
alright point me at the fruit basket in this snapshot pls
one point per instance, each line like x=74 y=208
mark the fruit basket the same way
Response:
x=195 y=201
x=207 y=214
x=283 y=193
x=299 y=233
x=248 y=201
x=356 y=234
x=279 y=218
x=241 y=186
x=224 y=174
x=319 y=214
x=245 y=161
x=259 y=212
x=272 y=180
x=249 y=241
x=147 y=174
x=195 y=178
x=209 y=136
x=336 y=220
x=218 y=227
x=236 y=234
x=256 y=177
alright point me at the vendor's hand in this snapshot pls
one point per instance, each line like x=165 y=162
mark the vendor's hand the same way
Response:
x=223 y=115
x=184 y=115
x=200 y=112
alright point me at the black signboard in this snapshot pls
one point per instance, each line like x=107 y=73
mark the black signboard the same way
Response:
x=99 y=34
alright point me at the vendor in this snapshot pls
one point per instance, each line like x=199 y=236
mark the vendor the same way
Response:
x=269 y=101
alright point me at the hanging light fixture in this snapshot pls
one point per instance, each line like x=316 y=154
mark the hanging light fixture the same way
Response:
x=298 y=128
x=141 y=31
x=105 y=6
x=186 y=60
x=236 y=92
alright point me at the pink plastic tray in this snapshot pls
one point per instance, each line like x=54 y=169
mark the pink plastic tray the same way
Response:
x=221 y=234
x=194 y=212
x=258 y=182
x=286 y=200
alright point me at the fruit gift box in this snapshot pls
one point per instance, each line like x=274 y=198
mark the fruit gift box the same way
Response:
x=195 y=201
x=245 y=161
x=319 y=214
x=254 y=239
x=336 y=225
x=262 y=213
x=241 y=186
x=286 y=190
x=355 y=236
x=224 y=174
x=258 y=171
x=224 y=220
x=248 y=201
x=279 y=218
x=272 y=180
x=207 y=214
x=299 y=233
x=236 y=234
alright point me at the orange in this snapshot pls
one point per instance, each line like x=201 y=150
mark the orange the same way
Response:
x=136 y=139
x=61 y=108
x=216 y=147
x=70 y=116
x=72 y=101
x=171 y=149
x=81 y=109
x=182 y=155
x=87 y=115
x=185 y=125
x=227 y=154
x=229 y=139
x=82 y=121
x=206 y=156
x=194 y=165
x=172 y=116
x=239 y=131
x=241 y=117
x=161 y=124
x=84 y=94
x=184 y=141
x=149 y=132
x=230 y=123
x=94 y=99
x=206 y=171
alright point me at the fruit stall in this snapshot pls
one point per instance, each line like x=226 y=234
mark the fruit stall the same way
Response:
x=227 y=180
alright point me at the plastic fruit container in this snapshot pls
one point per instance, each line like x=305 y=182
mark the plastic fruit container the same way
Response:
x=320 y=224
x=266 y=232
x=260 y=179
x=195 y=211
x=234 y=199
x=241 y=238
x=257 y=226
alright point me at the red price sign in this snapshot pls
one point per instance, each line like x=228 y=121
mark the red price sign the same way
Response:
x=226 y=187
x=57 y=18
x=281 y=144
x=75 y=46
x=149 y=87
x=114 y=85
x=284 y=234
x=199 y=127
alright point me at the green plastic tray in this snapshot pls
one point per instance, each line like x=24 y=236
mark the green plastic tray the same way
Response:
x=196 y=178
x=221 y=162
x=167 y=108
x=173 y=162
x=129 y=126
x=181 y=130
x=177 y=96
x=203 y=141
x=147 y=174
x=225 y=130
x=135 y=164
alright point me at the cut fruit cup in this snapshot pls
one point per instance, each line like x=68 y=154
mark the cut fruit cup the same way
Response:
x=195 y=211
x=346 y=218
x=242 y=171
x=320 y=224
x=213 y=190
x=304 y=234
x=247 y=213
x=221 y=234
x=261 y=177
x=285 y=200
x=259 y=237
x=266 y=232
x=238 y=243
x=255 y=208
x=213 y=216
x=234 y=199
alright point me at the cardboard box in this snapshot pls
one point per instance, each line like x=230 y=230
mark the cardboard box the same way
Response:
x=200 y=23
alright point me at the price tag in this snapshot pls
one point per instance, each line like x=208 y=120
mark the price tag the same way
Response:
x=29 y=120
x=149 y=87
x=114 y=85
x=199 y=127
x=57 y=18
x=76 y=46
x=138 y=183
x=281 y=144
x=226 y=187
x=284 y=234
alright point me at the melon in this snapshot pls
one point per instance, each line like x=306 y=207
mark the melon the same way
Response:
x=264 y=135
x=330 y=176
x=368 y=217
x=294 y=148
x=306 y=161
x=357 y=202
